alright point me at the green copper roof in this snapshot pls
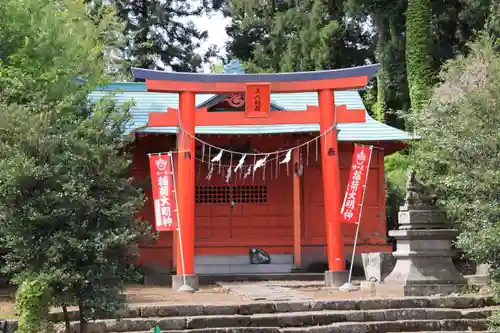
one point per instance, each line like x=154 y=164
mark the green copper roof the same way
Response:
x=145 y=102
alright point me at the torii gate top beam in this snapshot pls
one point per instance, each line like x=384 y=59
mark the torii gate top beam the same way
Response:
x=337 y=79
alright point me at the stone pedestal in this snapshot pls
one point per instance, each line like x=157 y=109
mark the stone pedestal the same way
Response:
x=377 y=265
x=424 y=265
x=190 y=281
x=335 y=279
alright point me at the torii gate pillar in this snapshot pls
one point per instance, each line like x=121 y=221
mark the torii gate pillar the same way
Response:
x=336 y=274
x=186 y=179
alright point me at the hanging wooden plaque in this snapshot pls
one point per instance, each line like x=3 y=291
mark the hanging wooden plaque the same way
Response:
x=258 y=100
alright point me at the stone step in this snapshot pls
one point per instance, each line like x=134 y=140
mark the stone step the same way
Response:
x=395 y=326
x=190 y=310
x=289 y=319
x=238 y=259
x=242 y=268
x=457 y=325
x=211 y=279
x=223 y=330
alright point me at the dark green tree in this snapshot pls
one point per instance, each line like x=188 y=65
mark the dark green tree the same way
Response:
x=159 y=34
x=453 y=24
x=249 y=30
x=295 y=35
x=390 y=94
x=67 y=202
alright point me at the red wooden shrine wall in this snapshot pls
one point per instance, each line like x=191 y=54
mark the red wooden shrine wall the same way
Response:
x=261 y=215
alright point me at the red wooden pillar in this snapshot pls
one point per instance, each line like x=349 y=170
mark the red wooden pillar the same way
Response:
x=331 y=181
x=297 y=211
x=186 y=185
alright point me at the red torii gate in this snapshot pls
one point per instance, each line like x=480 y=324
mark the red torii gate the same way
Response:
x=258 y=88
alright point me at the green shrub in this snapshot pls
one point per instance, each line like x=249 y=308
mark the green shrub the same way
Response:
x=33 y=299
x=459 y=150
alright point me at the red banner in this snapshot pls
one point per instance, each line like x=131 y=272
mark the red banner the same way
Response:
x=163 y=192
x=351 y=207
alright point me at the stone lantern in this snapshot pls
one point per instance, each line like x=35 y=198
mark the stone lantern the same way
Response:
x=424 y=263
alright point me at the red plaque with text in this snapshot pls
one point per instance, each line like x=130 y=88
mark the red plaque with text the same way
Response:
x=258 y=100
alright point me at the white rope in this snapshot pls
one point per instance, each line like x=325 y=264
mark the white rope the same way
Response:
x=232 y=152
x=259 y=154
x=228 y=166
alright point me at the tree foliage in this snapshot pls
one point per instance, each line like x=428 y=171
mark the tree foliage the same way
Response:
x=159 y=34
x=284 y=36
x=459 y=151
x=47 y=45
x=419 y=62
x=277 y=36
x=390 y=94
x=67 y=202
x=453 y=24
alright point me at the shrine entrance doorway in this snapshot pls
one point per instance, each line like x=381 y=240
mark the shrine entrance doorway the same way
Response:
x=243 y=213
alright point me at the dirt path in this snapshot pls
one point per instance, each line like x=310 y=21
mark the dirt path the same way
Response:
x=139 y=296
x=146 y=295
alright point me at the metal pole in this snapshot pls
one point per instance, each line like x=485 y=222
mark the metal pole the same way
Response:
x=178 y=219
x=359 y=216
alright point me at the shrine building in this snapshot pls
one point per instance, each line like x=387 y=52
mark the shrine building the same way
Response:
x=286 y=209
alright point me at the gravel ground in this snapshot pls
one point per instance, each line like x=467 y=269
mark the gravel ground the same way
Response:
x=317 y=291
x=147 y=295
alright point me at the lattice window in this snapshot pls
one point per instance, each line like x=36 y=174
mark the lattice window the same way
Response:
x=252 y=194
x=213 y=194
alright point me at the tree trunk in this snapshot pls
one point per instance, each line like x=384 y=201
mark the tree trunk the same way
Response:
x=67 y=322
x=83 y=322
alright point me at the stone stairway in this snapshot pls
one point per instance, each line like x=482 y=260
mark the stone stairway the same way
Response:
x=417 y=314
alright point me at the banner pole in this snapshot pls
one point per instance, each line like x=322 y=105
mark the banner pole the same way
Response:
x=185 y=286
x=348 y=286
